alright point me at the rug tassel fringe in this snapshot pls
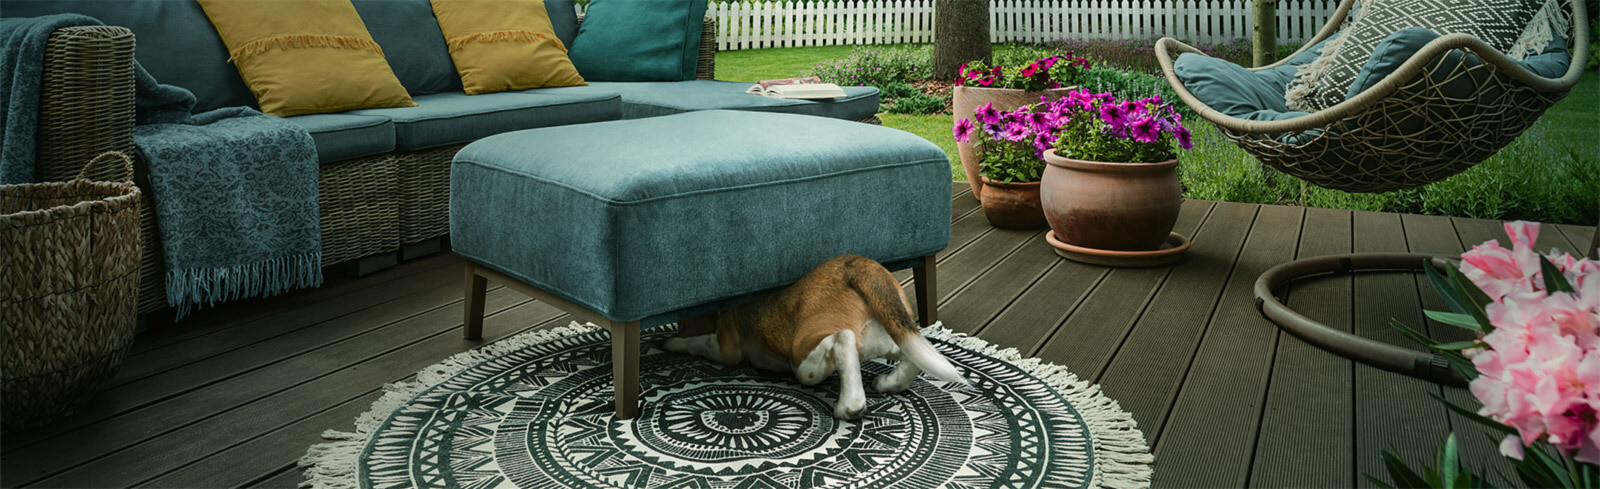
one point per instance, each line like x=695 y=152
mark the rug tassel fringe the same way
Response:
x=1126 y=462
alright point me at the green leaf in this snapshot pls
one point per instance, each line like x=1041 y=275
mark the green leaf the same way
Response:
x=1442 y=286
x=1457 y=345
x=1474 y=298
x=1554 y=280
x=1464 y=321
x=1473 y=415
x=1401 y=474
x=1449 y=463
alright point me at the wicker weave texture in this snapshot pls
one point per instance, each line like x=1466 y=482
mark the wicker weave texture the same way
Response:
x=1432 y=118
x=1419 y=135
x=425 y=192
x=68 y=286
x=360 y=213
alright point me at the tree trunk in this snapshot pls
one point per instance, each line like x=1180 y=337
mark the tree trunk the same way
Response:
x=961 y=34
x=1264 y=40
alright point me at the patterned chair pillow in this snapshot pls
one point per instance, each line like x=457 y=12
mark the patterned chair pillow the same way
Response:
x=1506 y=25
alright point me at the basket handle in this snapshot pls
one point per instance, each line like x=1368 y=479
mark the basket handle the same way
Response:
x=127 y=165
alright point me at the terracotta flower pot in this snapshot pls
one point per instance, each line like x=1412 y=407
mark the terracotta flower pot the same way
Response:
x=1111 y=206
x=1012 y=205
x=966 y=99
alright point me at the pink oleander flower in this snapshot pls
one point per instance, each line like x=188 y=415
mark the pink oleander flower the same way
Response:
x=1539 y=369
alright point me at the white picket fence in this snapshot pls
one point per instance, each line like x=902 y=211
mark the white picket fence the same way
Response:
x=790 y=23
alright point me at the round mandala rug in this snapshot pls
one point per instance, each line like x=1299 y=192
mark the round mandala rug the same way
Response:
x=534 y=411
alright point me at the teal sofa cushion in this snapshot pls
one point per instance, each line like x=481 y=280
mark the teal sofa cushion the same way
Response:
x=656 y=40
x=412 y=43
x=1237 y=91
x=344 y=136
x=637 y=219
x=564 y=19
x=443 y=119
x=1398 y=47
x=175 y=43
x=651 y=99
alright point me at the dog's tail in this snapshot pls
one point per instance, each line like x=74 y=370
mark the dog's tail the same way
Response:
x=887 y=304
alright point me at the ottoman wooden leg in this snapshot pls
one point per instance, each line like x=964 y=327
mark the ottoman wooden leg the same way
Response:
x=924 y=276
x=625 y=367
x=472 y=321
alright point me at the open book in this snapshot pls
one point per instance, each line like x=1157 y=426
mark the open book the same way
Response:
x=810 y=87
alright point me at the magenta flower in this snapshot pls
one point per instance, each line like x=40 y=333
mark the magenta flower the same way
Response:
x=987 y=114
x=1145 y=130
x=1185 y=140
x=963 y=130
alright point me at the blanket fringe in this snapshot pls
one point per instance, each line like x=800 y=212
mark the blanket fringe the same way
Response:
x=188 y=288
x=459 y=42
x=1122 y=460
x=302 y=41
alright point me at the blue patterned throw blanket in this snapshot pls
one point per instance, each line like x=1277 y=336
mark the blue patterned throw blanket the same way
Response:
x=235 y=190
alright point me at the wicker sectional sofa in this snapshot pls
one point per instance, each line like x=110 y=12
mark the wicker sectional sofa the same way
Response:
x=372 y=202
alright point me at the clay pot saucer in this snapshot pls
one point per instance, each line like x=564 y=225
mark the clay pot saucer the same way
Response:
x=1169 y=253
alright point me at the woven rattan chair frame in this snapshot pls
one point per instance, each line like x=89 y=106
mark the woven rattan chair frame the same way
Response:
x=1409 y=129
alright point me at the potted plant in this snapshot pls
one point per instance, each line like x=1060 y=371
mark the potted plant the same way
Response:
x=1111 y=182
x=1008 y=88
x=1009 y=146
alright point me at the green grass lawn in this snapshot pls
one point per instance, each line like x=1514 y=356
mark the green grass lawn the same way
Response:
x=1551 y=173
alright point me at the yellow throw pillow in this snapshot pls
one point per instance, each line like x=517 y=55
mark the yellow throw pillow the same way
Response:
x=503 y=45
x=305 y=56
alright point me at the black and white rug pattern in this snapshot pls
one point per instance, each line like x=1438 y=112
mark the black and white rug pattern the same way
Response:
x=534 y=411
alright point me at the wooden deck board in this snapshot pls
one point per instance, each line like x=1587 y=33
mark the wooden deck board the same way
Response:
x=234 y=395
x=1147 y=373
x=1087 y=340
x=1387 y=404
x=1211 y=425
x=1305 y=432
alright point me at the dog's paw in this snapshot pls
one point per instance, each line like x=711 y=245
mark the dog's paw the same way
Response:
x=890 y=383
x=850 y=407
x=676 y=345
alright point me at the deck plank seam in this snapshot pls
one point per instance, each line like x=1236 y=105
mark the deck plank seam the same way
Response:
x=291 y=465
x=239 y=405
x=1216 y=302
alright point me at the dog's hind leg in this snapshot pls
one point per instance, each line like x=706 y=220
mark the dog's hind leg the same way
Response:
x=852 y=398
x=899 y=379
x=704 y=345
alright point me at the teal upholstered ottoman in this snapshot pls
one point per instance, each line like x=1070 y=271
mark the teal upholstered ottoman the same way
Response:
x=640 y=222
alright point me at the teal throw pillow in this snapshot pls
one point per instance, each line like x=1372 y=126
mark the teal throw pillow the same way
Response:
x=639 y=40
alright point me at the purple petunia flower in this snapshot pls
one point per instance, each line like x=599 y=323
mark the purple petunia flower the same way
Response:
x=986 y=114
x=1016 y=131
x=1114 y=116
x=963 y=130
x=1185 y=140
x=1145 y=130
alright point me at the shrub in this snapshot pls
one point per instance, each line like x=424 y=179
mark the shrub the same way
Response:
x=917 y=104
x=1532 y=179
x=897 y=90
x=878 y=66
x=1132 y=85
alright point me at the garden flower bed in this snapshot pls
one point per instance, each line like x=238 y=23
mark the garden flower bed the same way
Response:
x=1562 y=147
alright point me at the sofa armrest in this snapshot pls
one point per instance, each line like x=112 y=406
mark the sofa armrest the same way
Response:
x=706 y=69
x=85 y=100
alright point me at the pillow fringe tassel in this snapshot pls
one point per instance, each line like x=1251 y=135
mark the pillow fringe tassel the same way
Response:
x=302 y=41
x=457 y=43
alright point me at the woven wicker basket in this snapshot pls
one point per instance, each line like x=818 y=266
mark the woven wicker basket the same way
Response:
x=68 y=287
